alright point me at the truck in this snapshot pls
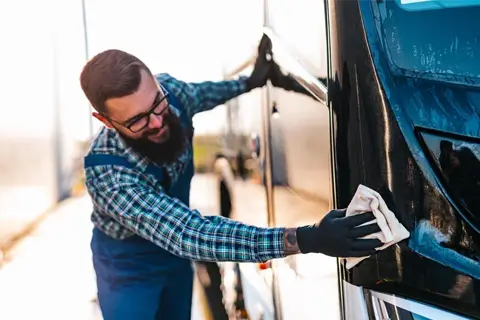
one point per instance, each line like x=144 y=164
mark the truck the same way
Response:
x=384 y=93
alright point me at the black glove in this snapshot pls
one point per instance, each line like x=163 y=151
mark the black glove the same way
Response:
x=281 y=80
x=287 y=82
x=337 y=236
x=261 y=70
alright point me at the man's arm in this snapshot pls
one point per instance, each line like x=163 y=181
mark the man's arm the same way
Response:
x=203 y=96
x=171 y=225
x=290 y=241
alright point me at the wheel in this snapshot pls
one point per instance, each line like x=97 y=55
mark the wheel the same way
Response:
x=232 y=292
x=210 y=279
x=225 y=201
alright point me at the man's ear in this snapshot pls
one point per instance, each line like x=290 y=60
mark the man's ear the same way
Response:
x=102 y=119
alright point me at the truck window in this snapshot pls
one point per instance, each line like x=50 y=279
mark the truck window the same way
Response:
x=443 y=44
x=459 y=165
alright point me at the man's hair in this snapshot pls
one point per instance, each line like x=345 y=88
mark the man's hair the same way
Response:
x=111 y=74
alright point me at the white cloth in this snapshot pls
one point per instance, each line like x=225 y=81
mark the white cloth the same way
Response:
x=391 y=230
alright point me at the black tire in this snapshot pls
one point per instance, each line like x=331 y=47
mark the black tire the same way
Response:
x=240 y=308
x=235 y=308
x=225 y=201
x=212 y=289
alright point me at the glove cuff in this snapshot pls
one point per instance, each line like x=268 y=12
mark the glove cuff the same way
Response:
x=306 y=239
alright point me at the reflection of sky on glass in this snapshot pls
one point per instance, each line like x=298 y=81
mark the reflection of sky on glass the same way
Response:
x=435 y=147
x=419 y=317
x=420 y=41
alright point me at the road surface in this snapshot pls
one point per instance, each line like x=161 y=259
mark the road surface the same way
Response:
x=49 y=274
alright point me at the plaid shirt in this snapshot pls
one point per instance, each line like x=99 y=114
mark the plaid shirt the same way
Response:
x=128 y=201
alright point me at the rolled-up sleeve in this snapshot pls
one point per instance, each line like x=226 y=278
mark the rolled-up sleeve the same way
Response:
x=168 y=223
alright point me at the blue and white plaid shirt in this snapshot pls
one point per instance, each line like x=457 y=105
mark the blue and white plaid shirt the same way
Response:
x=128 y=201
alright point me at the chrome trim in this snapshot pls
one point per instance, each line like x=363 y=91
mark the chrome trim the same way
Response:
x=355 y=307
x=382 y=301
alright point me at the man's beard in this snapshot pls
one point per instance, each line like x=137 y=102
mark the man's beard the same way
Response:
x=166 y=152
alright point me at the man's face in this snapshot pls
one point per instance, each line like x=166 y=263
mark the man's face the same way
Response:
x=132 y=112
x=145 y=121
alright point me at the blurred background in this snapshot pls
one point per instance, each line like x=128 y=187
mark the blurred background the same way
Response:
x=46 y=126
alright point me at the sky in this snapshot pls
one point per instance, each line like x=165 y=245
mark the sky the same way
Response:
x=44 y=48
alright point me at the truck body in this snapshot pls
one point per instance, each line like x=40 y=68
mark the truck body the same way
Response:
x=387 y=96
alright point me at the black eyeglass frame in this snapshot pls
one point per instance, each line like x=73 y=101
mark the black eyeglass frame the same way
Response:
x=141 y=116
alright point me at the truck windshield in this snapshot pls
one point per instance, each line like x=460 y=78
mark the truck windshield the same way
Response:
x=443 y=43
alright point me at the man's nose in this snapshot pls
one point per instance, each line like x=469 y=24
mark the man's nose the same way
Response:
x=155 y=121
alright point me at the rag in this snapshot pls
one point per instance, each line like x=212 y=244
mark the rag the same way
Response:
x=391 y=230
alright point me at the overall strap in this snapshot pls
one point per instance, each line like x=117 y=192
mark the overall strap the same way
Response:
x=176 y=102
x=93 y=160
x=183 y=112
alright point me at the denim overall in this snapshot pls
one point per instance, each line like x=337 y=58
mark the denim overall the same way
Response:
x=136 y=279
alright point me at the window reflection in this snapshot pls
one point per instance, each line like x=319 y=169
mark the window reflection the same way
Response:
x=459 y=163
x=444 y=49
x=461 y=168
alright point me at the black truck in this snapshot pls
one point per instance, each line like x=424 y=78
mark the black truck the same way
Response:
x=384 y=94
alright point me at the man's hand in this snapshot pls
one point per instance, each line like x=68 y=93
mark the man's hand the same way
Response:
x=338 y=236
x=262 y=68
x=265 y=69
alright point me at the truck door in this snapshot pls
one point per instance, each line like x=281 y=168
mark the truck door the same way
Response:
x=300 y=153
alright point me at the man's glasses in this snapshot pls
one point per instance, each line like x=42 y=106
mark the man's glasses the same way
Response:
x=141 y=121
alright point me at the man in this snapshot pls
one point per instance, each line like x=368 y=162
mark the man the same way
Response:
x=138 y=173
